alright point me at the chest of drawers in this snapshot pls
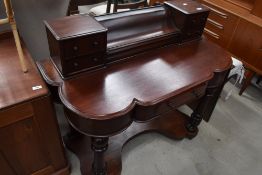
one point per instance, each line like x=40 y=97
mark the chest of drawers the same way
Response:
x=74 y=44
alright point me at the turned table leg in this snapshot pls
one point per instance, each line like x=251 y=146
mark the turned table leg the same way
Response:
x=193 y=122
x=99 y=145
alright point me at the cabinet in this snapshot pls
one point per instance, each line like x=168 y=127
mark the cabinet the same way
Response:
x=247 y=44
x=220 y=25
x=236 y=25
x=30 y=141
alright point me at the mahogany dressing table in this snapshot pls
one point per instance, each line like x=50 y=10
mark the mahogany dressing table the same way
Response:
x=137 y=83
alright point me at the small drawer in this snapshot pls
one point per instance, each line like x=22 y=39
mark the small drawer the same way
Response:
x=220 y=25
x=220 y=16
x=83 y=63
x=188 y=96
x=211 y=34
x=84 y=45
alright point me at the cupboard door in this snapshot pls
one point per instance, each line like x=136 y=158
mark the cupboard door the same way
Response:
x=247 y=45
x=21 y=146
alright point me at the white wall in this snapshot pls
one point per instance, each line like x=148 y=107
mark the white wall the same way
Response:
x=29 y=15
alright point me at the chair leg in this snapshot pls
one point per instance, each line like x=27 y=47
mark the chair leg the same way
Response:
x=249 y=75
x=72 y=8
x=259 y=79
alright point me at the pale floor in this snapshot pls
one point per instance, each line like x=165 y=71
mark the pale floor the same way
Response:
x=230 y=144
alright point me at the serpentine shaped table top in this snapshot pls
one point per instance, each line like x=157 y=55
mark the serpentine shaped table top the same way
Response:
x=145 y=79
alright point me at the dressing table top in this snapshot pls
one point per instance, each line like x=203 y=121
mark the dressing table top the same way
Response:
x=145 y=79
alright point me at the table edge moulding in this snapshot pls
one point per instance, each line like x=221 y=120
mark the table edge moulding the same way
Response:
x=109 y=105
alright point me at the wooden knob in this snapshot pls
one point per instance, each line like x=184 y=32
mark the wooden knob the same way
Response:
x=75 y=48
x=75 y=64
x=95 y=43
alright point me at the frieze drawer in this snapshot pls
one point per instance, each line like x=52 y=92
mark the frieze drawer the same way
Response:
x=85 y=45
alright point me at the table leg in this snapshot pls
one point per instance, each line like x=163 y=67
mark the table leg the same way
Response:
x=193 y=122
x=99 y=145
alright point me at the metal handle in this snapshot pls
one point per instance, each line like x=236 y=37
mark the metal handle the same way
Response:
x=220 y=26
x=216 y=36
x=223 y=15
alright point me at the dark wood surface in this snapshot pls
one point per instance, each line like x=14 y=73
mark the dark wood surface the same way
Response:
x=29 y=134
x=16 y=86
x=137 y=81
x=236 y=25
x=103 y=103
x=82 y=43
x=74 y=26
x=149 y=80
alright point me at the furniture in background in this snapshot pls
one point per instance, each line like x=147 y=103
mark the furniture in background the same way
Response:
x=238 y=72
x=73 y=5
x=30 y=141
x=123 y=74
x=10 y=19
x=236 y=25
x=104 y=8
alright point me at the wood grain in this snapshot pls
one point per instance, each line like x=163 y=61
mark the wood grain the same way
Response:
x=15 y=86
x=161 y=65
x=30 y=139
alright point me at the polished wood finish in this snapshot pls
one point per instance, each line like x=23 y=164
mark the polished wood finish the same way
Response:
x=117 y=95
x=236 y=25
x=12 y=90
x=76 y=43
x=150 y=70
x=71 y=39
x=30 y=139
x=247 y=45
x=220 y=25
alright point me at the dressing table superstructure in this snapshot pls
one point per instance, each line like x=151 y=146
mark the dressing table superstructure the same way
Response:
x=152 y=61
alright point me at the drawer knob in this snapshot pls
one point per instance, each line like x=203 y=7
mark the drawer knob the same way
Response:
x=95 y=43
x=194 y=21
x=75 y=64
x=95 y=59
x=75 y=48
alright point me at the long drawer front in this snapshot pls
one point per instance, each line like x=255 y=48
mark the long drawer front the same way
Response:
x=144 y=113
x=220 y=25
